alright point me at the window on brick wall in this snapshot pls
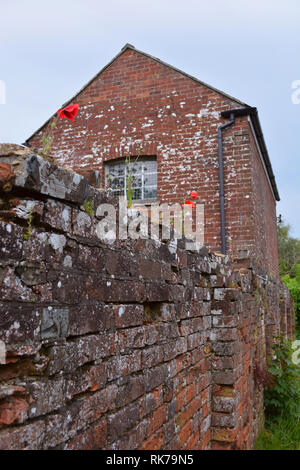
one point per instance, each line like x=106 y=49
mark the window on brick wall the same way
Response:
x=144 y=177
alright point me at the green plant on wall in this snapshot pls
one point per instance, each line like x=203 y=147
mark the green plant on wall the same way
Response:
x=282 y=392
x=130 y=179
x=289 y=264
x=293 y=283
x=89 y=207
x=288 y=249
x=129 y=182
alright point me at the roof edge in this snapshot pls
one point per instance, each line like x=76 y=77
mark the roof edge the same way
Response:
x=253 y=113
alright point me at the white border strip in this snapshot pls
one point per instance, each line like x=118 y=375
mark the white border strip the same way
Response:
x=2 y=92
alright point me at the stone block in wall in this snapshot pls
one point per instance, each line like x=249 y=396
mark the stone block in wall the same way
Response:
x=94 y=438
x=91 y=258
x=123 y=365
x=224 y=334
x=55 y=323
x=84 y=225
x=158 y=292
x=11 y=241
x=226 y=362
x=123 y=420
x=225 y=348
x=58 y=215
x=7 y=177
x=226 y=377
x=227 y=294
x=127 y=315
x=19 y=324
x=35 y=173
x=14 y=404
x=131 y=338
x=27 y=437
x=69 y=356
x=18 y=208
x=224 y=404
x=45 y=396
x=113 y=290
x=34 y=248
x=220 y=307
x=133 y=389
x=224 y=435
x=224 y=420
x=149 y=269
x=225 y=321
x=88 y=379
x=153 y=355
x=156 y=376
x=90 y=318
x=32 y=273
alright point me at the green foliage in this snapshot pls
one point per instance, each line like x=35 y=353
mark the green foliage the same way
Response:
x=282 y=435
x=129 y=185
x=130 y=178
x=282 y=401
x=293 y=284
x=282 y=394
x=288 y=249
x=47 y=138
x=89 y=207
x=289 y=264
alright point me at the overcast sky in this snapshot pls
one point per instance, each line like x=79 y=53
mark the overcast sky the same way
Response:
x=247 y=48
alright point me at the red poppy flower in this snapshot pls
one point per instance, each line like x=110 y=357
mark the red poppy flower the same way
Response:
x=190 y=204
x=194 y=195
x=69 y=112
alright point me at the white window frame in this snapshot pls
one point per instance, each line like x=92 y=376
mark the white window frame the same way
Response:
x=133 y=161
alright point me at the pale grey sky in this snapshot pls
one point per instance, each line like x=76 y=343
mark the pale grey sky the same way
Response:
x=247 y=48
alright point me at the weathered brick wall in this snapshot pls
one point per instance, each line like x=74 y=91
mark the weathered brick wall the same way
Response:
x=250 y=204
x=131 y=345
x=137 y=101
x=264 y=213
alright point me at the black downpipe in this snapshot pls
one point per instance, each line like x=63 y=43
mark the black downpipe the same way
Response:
x=221 y=181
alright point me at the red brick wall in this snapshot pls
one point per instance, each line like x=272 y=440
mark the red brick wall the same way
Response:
x=238 y=190
x=130 y=345
x=250 y=203
x=264 y=213
x=137 y=101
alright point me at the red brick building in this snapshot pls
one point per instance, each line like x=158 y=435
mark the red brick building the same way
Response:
x=139 y=101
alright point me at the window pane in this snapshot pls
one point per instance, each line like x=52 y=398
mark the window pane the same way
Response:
x=117 y=169
x=119 y=192
x=137 y=181
x=136 y=168
x=117 y=183
x=137 y=193
x=150 y=193
x=150 y=179
x=149 y=166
